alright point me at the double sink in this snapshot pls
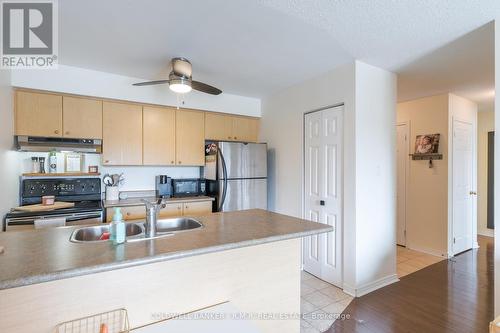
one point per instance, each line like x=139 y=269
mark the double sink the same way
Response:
x=135 y=231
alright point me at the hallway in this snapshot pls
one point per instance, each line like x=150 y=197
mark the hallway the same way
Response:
x=453 y=295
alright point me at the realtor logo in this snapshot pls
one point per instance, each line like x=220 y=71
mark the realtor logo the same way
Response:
x=29 y=34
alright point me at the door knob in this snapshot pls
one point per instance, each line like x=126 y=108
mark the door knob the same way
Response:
x=473 y=193
x=322 y=202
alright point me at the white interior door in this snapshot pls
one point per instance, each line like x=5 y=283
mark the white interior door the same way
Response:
x=462 y=200
x=323 y=189
x=402 y=162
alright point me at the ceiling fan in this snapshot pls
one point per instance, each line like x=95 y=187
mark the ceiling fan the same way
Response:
x=180 y=79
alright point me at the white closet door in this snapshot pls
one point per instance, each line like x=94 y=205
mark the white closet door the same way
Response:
x=402 y=160
x=313 y=162
x=462 y=186
x=323 y=197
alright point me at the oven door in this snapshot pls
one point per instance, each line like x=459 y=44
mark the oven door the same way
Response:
x=28 y=222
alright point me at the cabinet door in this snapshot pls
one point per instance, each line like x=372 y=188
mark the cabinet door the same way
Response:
x=122 y=134
x=82 y=118
x=128 y=212
x=158 y=136
x=190 y=137
x=245 y=129
x=218 y=127
x=38 y=114
x=171 y=210
x=197 y=208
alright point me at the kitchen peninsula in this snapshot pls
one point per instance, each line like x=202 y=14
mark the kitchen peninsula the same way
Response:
x=249 y=258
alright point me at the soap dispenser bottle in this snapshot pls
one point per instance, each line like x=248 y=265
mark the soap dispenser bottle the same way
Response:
x=117 y=227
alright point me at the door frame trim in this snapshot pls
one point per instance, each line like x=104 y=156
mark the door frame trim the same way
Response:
x=451 y=179
x=342 y=188
x=407 y=123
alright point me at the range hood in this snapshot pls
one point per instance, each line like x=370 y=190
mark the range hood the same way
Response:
x=43 y=144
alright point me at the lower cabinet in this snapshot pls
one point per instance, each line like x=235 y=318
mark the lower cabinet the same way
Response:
x=197 y=208
x=171 y=210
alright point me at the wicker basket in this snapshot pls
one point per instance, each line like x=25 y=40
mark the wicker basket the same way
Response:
x=116 y=322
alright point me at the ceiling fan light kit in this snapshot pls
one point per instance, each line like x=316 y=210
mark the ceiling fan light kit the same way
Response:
x=180 y=79
x=180 y=86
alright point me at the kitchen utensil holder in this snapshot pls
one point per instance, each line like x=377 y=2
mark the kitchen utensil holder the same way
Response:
x=112 y=193
x=116 y=320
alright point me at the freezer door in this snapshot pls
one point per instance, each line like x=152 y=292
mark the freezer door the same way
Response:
x=245 y=194
x=243 y=160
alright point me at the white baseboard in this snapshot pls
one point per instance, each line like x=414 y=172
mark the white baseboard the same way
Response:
x=371 y=286
x=475 y=245
x=487 y=234
x=429 y=251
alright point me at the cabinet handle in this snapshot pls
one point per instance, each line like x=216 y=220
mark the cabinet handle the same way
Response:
x=128 y=213
x=179 y=162
x=106 y=161
x=235 y=138
x=67 y=133
x=187 y=207
x=172 y=162
x=229 y=137
x=56 y=131
x=179 y=207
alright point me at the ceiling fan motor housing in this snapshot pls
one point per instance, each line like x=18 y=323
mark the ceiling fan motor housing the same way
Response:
x=181 y=67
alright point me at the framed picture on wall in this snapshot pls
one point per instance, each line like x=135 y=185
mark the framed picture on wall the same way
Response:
x=427 y=144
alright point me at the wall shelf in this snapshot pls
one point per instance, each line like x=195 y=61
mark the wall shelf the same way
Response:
x=420 y=157
x=427 y=157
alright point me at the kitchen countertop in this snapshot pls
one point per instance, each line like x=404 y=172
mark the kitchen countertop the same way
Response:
x=43 y=255
x=137 y=201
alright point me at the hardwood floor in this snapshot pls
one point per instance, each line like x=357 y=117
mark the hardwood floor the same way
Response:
x=450 y=296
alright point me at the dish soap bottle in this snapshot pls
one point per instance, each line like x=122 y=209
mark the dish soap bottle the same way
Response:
x=117 y=227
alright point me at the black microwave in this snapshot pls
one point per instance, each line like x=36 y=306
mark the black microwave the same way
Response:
x=188 y=187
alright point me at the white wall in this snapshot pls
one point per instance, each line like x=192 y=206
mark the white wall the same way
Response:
x=137 y=178
x=485 y=124
x=282 y=129
x=8 y=158
x=427 y=189
x=87 y=82
x=375 y=177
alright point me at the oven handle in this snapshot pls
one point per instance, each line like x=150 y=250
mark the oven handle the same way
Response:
x=86 y=217
x=69 y=217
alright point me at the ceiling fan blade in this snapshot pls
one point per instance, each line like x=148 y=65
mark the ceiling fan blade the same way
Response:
x=150 y=83
x=203 y=87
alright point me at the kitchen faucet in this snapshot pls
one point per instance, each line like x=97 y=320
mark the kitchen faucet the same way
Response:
x=152 y=212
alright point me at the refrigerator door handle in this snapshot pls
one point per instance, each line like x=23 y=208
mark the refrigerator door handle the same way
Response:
x=224 y=174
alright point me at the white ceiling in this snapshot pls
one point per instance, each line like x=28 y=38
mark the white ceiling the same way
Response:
x=255 y=48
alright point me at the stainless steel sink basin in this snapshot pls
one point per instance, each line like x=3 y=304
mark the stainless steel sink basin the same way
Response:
x=176 y=225
x=135 y=231
x=93 y=233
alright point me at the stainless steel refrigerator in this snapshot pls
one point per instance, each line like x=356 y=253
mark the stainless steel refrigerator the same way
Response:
x=238 y=175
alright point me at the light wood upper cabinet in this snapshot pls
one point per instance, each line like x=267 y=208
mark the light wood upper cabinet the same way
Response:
x=38 y=114
x=158 y=136
x=122 y=134
x=82 y=118
x=218 y=126
x=224 y=127
x=245 y=129
x=190 y=137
